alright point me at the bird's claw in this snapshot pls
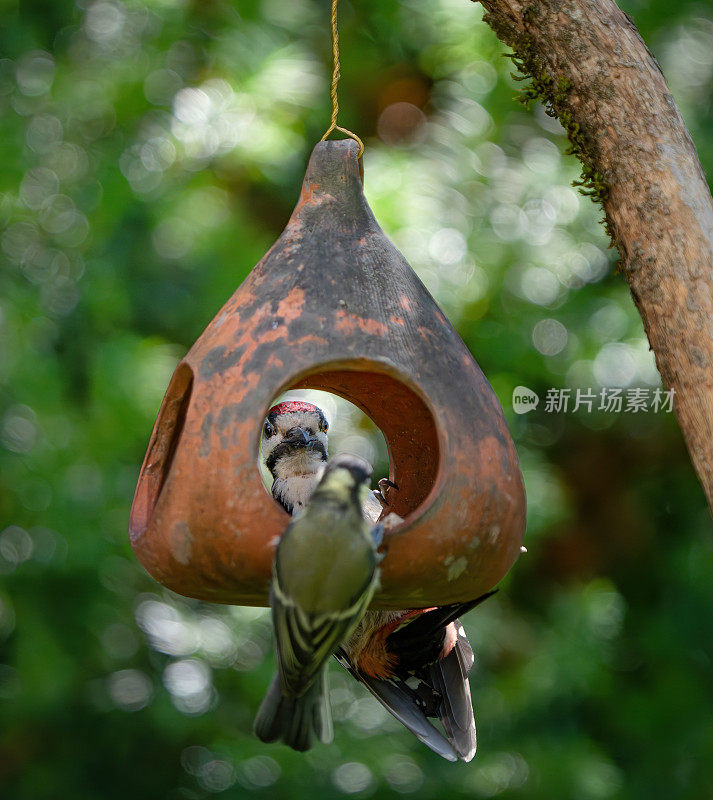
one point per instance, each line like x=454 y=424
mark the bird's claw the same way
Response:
x=382 y=493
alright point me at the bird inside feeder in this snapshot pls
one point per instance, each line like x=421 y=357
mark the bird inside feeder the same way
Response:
x=332 y=306
x=305 y=428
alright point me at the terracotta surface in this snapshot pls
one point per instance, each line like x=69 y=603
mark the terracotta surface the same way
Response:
x=333 y=305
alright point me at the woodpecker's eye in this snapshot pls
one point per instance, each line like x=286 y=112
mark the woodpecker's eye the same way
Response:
x=323 y=425
x=268 y=430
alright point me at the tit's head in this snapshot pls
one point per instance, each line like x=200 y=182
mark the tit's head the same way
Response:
x=359 y=468
x=294 y=439
x=347 y=476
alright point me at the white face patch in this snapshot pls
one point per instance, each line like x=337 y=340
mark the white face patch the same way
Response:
x=301 y=461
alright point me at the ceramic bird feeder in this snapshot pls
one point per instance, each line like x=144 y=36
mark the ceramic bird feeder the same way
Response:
x=333 y=306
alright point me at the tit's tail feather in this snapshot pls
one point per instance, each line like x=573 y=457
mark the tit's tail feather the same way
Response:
x=406 y=705
x=449 y=677
x=295 y=720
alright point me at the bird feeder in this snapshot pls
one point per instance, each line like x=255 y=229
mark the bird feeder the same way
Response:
x=332 y=306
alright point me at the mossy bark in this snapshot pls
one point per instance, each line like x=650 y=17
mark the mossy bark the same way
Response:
x=589 y=64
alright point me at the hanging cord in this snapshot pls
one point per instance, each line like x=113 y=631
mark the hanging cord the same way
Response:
x=336 y=74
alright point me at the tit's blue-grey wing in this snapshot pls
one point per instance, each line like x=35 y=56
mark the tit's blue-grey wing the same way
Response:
x=406 y=705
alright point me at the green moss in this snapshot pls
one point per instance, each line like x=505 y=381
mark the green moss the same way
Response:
x=554 y=93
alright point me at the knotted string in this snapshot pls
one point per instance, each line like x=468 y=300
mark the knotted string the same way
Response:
x=336 y=74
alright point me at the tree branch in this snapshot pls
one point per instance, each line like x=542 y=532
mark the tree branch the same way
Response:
x=591 y=67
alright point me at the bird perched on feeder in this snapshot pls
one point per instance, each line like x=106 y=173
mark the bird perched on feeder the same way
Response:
x=323 y=578
x=415 y=662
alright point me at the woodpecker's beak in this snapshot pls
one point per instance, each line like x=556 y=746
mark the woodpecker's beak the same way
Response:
x=297 y=436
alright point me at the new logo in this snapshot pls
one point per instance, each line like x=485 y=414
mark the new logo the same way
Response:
x=524 y=400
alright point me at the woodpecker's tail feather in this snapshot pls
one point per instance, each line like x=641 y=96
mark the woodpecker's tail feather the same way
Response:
x=449 y=677
x=295 y=720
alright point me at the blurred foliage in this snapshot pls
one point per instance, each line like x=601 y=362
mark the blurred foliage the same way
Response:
x=152 y=152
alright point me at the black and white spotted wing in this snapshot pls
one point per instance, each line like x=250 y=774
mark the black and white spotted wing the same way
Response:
x=406 y=704
x=425 y=685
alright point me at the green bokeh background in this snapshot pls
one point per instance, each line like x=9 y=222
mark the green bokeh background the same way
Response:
x=152 y=151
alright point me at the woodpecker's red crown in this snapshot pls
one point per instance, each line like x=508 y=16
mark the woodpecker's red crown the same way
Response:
x=291 y=406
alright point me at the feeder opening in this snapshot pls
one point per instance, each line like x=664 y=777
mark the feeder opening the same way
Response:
x=350 y=431
x=398 y=412
x=162 y=449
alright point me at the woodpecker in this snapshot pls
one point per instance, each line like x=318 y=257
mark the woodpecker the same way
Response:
x=415 y=662
x=294 y=449
x=323 y=578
